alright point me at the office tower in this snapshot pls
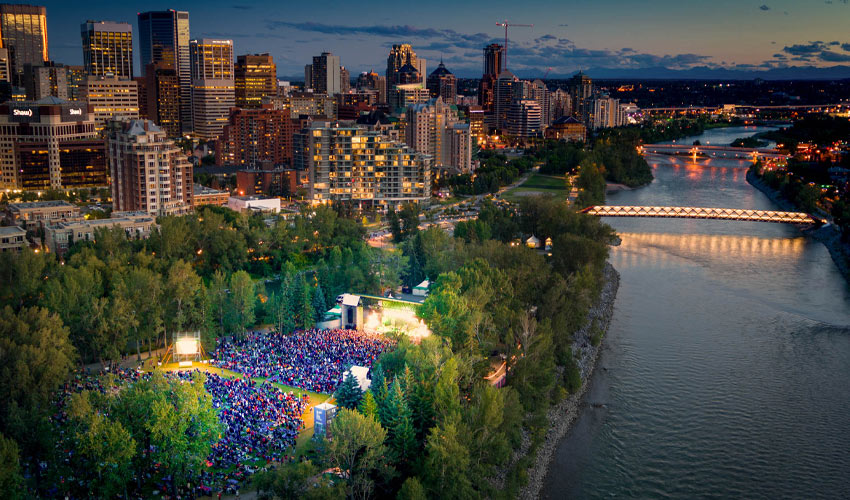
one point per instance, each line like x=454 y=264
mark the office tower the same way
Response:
x=325 y=74
x=351 y=164
x=524 y=118
x=23 y=31
x=110 y=98
x=76 y=77
x=442 y=83
x=44 y=80
x=492 y=69
x=162 y=98
x=149 y=172
x=107 y=48
x=213 y=86
x=402 y=96
x=65 y=154
x=5 y=68
x=400 y=56
x=255 y=77
x=502 y=96
x=581 y=90
x=431 y=130
x=254 y=136
x=164 y=37
x=476 y=123
x=308 y=76
x=344 y=80
x=373 y=81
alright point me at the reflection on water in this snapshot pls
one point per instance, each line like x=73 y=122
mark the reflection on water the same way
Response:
x=725 y=371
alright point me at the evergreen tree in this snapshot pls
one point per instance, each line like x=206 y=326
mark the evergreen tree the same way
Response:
x=399 y=425
x=319 y=304
x=368 y=406
x=307 y=315
x=348 y=394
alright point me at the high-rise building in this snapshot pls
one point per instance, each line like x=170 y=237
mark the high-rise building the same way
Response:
x=442 y=83
x=347 y=163
x=561 y=104
x=255 y=77
x=5 y=68
x=76 y=77
x=308 y=76
x=50 y=144
x=402 y=96
x=503 y=94
x=107 y=48
x=254 y=136
x=23 y=31
x=373 y=81
x=162 y=98
x=164 y=37
x=524 y=118
x=607 y=113
x=492 y=69
x=399 y=57
x=476 y=123
x=344 y=80
x=111 y=97
x=325 y=74
x=581 y=91
x=213 y=86
x=431 y=130
x=44 y=80
x=149 y=172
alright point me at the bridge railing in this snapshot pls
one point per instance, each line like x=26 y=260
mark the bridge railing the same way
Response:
x=702 y=213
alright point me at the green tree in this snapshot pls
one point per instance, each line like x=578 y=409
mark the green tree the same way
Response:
x=10 y=469
x=297 y=480
x=183 y=292
x=108 y=449
x=411 y=489
x=447 y=464
x=306 y=314
x=399 y=425
x=319 y=304
x=368 y=406
x=349 y=394
x=243 y=299
x=217 y=294
x=357 y=448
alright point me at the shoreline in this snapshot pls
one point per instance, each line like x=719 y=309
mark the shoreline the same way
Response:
x=828 y=235
x=562 y=415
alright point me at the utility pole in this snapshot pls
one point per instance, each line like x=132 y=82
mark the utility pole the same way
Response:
x=506 y=24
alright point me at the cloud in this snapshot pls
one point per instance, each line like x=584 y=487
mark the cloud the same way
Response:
x=241 y=7
x=829 y=56
x=764 y=7
x=845 y=46
x=804 y=49
x=406 y=31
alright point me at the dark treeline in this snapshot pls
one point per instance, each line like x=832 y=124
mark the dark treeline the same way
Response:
x=496 y=170
x=431 y=426
x=818 y=129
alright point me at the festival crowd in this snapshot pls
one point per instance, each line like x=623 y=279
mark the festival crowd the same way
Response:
x=313 y=359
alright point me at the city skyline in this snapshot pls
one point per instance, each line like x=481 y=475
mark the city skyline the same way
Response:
x=566 y=37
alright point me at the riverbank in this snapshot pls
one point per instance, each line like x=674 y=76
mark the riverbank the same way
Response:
x=828 y=235
x=562 y=415
x=613 y=187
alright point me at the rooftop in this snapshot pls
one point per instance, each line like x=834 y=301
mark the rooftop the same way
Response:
x=11 y=231
x=26 y=205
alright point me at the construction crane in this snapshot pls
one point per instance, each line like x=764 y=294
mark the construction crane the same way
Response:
x=506 y=24
x=547 y=72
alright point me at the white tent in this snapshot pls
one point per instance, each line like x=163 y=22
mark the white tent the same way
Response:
x=361 y=374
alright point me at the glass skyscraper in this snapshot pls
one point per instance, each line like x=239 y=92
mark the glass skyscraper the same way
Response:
x=23 y=31
x=164 y=38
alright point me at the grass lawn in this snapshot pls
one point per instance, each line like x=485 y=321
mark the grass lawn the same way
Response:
x=303 y=444
x=538 y=184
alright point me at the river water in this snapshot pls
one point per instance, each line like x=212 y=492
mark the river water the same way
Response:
x=726 y=369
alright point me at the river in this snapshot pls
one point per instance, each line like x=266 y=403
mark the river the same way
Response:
x=726 y=369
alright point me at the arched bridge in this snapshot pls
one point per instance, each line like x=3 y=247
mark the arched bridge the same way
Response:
x=703 y=213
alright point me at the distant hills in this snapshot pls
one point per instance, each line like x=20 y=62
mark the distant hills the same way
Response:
x=708 y=73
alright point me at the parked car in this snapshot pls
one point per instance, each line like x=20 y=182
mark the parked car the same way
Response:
x=406 y=289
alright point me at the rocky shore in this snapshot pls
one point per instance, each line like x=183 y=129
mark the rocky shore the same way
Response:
x=562 y=415
x=828 y=235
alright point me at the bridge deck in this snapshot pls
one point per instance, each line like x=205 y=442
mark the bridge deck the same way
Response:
x=702 y=213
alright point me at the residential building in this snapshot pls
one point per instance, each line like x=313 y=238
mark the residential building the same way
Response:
x=149 y=172
x=213 y=86
x=607 y=113
x=347 y=163
x=5 y=67
x=581 y=93
x=107 y=48
x=110 y=98
x=61 y=236
x=255 y=77
x=402 y=96
x=561 y=104
x=442 y=83
x=31 y=215
x=76 y=78
x=524 y=118
x=203 y=195
x=44 y=80
x=162 y=98
x=50 y=144
x=253 y=136
x=23 y=32
x=267 y=180
x=493 y=57
x=344 y=80
x=566 y=128
x=12 y=239
x=430 y=130
x=325 y=74
x=503 y=95
x=164 y=37
x=306 y=104
x=476 y=123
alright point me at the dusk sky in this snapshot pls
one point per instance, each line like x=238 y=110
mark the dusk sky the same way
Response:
x=567 y=35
